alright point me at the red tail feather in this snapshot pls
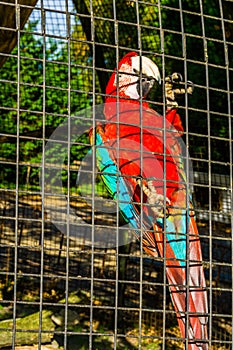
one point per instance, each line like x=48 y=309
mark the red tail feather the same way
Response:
x=189 y=296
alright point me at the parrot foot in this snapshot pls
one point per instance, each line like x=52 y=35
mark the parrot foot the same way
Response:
x=174 y=86
x=154 y=199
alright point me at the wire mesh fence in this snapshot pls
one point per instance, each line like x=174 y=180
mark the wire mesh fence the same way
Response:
x=72 y=274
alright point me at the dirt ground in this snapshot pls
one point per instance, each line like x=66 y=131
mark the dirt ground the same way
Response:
x=51 y=267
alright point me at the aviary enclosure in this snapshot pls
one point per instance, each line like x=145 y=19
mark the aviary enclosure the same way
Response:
x=73 y=275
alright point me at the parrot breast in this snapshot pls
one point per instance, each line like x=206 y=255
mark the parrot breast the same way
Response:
x=143 y=144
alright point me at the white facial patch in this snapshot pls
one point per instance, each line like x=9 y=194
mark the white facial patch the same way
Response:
x=127 y=82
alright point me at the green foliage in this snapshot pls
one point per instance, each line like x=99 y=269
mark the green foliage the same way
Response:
x=22 y=87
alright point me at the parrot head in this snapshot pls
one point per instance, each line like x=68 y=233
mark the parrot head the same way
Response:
x=134 y=77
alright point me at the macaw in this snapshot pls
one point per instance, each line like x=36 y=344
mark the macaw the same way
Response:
x=139 y=157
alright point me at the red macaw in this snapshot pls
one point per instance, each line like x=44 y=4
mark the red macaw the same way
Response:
x=138 y=154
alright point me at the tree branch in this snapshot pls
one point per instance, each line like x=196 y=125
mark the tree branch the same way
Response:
x=99 y=55
x=8 y=36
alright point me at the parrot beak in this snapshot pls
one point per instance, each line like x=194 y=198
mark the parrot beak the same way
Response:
x=149 y=73
x=147 y=66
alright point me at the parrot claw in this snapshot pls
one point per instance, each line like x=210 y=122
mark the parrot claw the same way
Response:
x=174 y=86
x=154 y=199
x=174 y=78
x=190 y=87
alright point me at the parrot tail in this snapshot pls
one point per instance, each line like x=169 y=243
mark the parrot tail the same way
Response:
x=188 y=293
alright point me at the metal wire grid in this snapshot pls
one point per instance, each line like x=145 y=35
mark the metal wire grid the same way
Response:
x=47 y=275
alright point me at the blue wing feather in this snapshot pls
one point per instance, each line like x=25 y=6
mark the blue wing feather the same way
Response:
x=116 y=185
